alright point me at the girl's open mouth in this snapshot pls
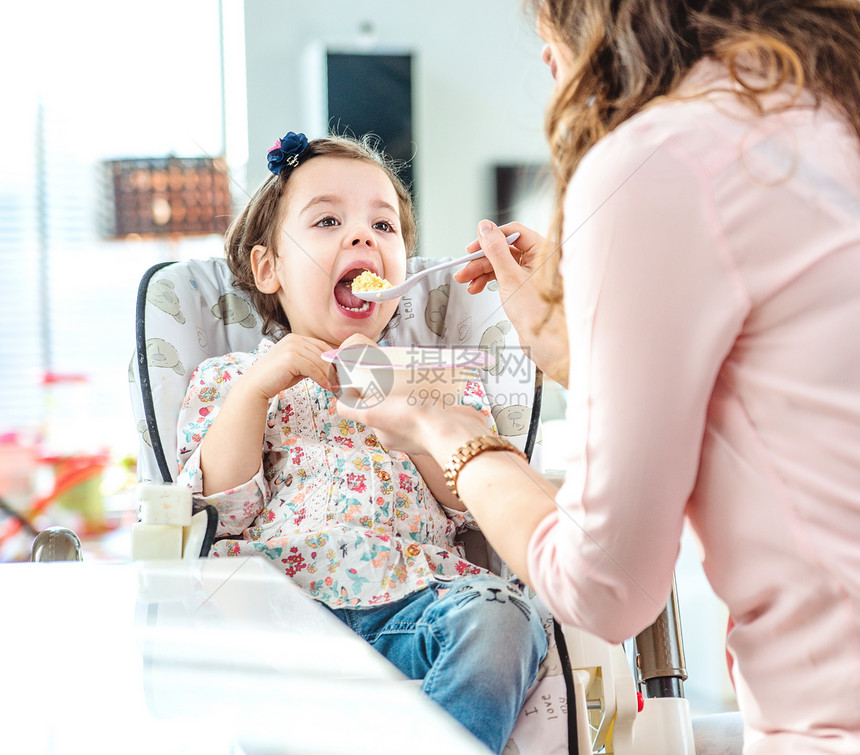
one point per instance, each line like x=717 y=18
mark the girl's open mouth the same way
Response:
x=348 y=301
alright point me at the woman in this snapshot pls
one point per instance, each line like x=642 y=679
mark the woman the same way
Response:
x=707 y=236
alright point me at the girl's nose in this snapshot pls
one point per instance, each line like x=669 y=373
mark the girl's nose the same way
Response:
x=362 y=238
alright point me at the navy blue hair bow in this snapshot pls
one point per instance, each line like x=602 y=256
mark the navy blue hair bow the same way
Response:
x=286 y=151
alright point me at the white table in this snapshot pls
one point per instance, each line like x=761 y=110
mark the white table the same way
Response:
x=210 y=656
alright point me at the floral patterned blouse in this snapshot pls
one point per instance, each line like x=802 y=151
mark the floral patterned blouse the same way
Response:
x=348 y=521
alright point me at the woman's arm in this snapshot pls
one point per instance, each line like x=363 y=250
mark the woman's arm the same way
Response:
x=434 y=479
x=507 y=497
x=654 y=304
x=474 y=395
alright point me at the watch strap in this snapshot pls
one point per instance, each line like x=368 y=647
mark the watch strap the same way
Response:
x=469 y=450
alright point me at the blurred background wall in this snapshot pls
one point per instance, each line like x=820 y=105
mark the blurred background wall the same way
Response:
x=479 y=92
x=99 y=81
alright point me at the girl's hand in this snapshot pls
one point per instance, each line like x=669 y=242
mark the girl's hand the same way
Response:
x=290 y=360
x=515 y=268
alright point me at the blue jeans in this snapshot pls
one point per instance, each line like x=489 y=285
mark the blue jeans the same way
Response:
x=475 y=641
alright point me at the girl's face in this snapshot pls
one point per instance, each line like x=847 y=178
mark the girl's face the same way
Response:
x=341 y=217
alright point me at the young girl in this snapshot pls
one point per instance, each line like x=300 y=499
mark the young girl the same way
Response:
x=358 y=527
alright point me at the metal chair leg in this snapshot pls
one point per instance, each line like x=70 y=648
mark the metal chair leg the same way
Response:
x=56 y=544
x=660 y=653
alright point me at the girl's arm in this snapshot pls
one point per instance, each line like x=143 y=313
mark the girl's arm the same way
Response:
x=208 y=389
x=231 y=452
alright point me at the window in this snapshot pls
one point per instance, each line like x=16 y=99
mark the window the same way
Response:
x=95 y=80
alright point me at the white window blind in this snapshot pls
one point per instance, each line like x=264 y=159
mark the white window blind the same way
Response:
x=110 y=81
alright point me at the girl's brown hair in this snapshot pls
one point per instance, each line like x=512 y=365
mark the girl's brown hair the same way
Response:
x=627 y=53
x=260 y=220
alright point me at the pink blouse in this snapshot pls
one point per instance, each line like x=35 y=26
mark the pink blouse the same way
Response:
x=712 y=293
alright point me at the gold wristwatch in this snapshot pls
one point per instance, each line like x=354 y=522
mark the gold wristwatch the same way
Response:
x=469 y=451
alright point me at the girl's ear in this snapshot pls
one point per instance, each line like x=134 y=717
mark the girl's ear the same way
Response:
x=265 y=270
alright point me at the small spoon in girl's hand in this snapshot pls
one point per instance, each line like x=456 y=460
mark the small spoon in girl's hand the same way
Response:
x=393 y=292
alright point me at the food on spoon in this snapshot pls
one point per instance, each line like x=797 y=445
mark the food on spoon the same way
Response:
x=368 y=281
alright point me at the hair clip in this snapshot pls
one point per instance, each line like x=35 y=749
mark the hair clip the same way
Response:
x=286 y=152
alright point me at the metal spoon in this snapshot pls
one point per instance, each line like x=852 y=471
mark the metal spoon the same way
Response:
x=387 y=294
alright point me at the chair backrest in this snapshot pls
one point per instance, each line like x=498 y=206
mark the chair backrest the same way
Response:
x=190 y=311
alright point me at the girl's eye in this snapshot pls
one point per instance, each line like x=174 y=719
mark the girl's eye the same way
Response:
x=327 y=222
x=383 y=226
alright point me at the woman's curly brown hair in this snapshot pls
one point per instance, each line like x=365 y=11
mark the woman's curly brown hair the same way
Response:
x=259 y=222
x=627 y=53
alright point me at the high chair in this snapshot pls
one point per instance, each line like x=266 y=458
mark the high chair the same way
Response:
x=586 y=698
